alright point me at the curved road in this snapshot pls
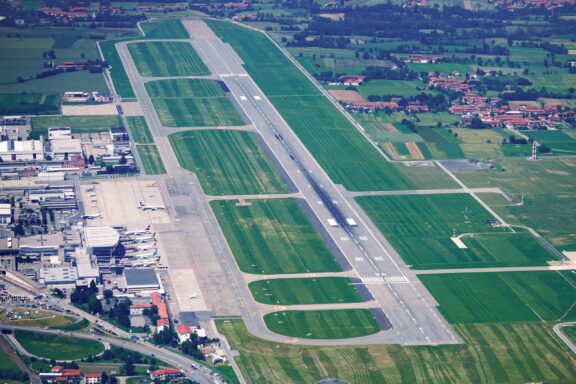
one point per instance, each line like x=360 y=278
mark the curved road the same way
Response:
x=558 y=330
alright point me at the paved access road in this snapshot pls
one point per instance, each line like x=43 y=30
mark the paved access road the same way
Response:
x=558 y=330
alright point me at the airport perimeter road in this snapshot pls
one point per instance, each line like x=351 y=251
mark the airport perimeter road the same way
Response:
x=169 y=357
x=403 y=299
x=406 y=303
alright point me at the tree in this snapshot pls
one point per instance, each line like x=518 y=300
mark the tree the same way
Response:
x=108 y=293
x=129 y=367
x=123 y=160
x=91 y=159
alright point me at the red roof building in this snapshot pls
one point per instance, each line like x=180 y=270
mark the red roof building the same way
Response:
x=165 y=373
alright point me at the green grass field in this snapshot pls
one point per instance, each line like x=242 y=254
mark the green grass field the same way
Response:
x=321 y=127
x=305 y=291
x=336 y=324
x=420 y=227
x=139 y=129
x=393 y=87
x=117 y=72
x=570 y=332
x=549 y=190
x=227 y=162
x=492 y=353
x=503 y=297
x=192 y=103
x=151 y=159
x=167 y=59
x=78 y=124
x=29 y=104
x=560 y=142
x=165 y=29
x=57 y=347
x=273 y=236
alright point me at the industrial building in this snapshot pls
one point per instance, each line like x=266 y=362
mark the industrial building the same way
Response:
x=5 y=214
x=101 y=242
x=141 y=280
x=11 y=150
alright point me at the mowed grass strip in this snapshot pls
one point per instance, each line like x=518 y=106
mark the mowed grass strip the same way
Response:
x=321 y=290
x=78 y=124
x=169 y=58
x=165 y=29
x=557 y=140
x=227 y=162
x=139 y=129
x=345 y=154
x=420 y=228
x=56 y=346
x=192 y=103
x=491 y=353
x=117 y=72
x=151 y=159
x=502 y=297
x=332 y=324
x=273 y=236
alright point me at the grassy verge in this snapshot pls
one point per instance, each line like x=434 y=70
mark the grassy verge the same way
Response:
x=79 y=124
x=57 y=347
x=165 y=29
x=139 y=129
x=167 y=59
x=273 y=236
x=151 y=159
x=117 y=72
x=305 y=291
x=227 y=162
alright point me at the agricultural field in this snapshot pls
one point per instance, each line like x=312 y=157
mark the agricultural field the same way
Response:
x=503 y=297
x=139 y=129
x=8 y=368
x=151 y=159
x=273 y=236
x=305 y=291
x=117 y=71
x=56 y=346
x=332 y=324
x=29 y=104
x=192 y=103
x=151 y=59
x=394 y=87
x=78 y=124
x=492 y=353
x=420 y=228
x=560 y=142
x=165 y=29
x=227 y=162
x=548 y=189
x=570 y=332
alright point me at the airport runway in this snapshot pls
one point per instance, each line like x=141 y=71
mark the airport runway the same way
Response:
x=396 y=290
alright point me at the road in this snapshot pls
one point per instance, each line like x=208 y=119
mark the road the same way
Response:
x=404 y=300
x=558 y=330
x=167 y=356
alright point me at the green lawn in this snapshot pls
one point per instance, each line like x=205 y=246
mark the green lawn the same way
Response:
x=227 y=162
x=305 y=291
x=503 y=297
x=192 y=103
x=151 y=159
x=561 y=143
x=117 y=71
x=273 y=236
x=79 y=124
x=165 y=29
x=393 y=87
x=29 y=104
x=167 y=59
x=341 y=150
x=139 y=129
x=570 y=332
x=420 y=227
x=57 y=347
x=335 y=324
x=492 y=353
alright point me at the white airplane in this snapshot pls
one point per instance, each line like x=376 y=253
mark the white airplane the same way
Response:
x=150 y=207
x=149 y=263
x=137 y=231
x=145 y=238
x=193 y=296
x=94 y=216
x=145 y=247
x=147 y=255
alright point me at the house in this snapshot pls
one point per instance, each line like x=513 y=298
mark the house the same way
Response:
x=165 y=374
x=59 y=133
x=351 y=80
x=138 y=309
x=162 y=324
x=74 y=97
x=93 y=377
x=184 y=333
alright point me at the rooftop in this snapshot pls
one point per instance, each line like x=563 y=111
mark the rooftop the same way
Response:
x=66 y=146
x=141 y=277
x=100 y=237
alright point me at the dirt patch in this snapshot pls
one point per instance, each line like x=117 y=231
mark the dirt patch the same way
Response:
x=391 y=128
x=390 y=150
x=414 y=151
x=346 y=96
x=89 y=110
x=333 y=16
x=468 y=5
x=132 y=108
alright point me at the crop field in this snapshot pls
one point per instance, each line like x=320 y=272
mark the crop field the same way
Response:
x=393 y=87
x=549 y=190
x=117 y=72
x=192 y=103
x=333 y=324
x=139 y=129
x=321 y=127
x=167 y=59
x=165 y=29
x=503 y=297
x=273 y=236
x=227 y=162
x=151 y=159
x=57 y=347
x=29 y=104
x=420 y=228
x=492 y=353
x=559 y=141
x=78 y=124
x=305 y=291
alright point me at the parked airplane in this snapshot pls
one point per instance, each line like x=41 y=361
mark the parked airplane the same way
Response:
x=193 y=296
x=150 y=207
x=94 y=216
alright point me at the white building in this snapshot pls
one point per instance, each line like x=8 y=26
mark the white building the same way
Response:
x=59 y=133
x=11 y=150
x=64 y=149
x=58 y=276
x=5 y=215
